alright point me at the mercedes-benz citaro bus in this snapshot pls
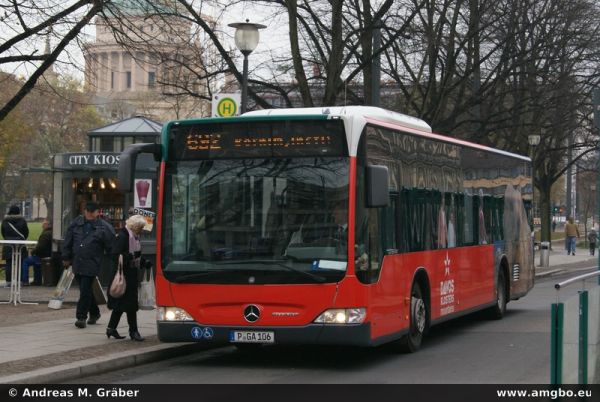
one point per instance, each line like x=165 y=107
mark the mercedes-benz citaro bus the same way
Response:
x=337 y=225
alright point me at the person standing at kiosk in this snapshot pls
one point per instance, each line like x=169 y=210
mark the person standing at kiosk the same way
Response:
x=86 y=240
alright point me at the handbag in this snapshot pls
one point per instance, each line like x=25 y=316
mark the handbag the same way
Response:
x=117 y=287
x=63 y=286
x=146 y=298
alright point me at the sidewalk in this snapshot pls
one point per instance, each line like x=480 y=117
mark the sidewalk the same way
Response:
x=40 y=345
x=561 y=262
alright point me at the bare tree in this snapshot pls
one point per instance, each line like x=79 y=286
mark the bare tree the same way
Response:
x=496 y=71
x=26 y=25
x=324 y=50
x=491 y=71
x=53 y=119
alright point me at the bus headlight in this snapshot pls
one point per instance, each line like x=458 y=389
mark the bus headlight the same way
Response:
x=173 y=314
x=342 y=316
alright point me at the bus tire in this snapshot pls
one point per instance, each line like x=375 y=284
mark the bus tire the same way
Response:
x=499 y=309
x=411 y=342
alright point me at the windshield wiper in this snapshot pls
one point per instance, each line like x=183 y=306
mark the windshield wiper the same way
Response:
x=195 y=275
x=315 y=277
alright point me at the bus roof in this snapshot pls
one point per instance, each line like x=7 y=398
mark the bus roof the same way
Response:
x=356 y=117
x=350 y=111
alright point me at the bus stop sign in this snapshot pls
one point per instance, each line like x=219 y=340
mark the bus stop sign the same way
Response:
x=226 y=105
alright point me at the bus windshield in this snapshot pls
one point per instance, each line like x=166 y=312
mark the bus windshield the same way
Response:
x=261 y=220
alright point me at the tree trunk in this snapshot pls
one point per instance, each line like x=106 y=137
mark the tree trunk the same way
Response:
x=367 y=52
x=297 y=55
x=545 y=213
x=335 y=62
x=474 y=31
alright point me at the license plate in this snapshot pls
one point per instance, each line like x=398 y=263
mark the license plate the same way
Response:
x=252 y=337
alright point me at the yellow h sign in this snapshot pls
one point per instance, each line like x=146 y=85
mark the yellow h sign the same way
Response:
x=225 y=105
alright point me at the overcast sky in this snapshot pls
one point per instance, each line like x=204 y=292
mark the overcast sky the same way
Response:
x=274 y=39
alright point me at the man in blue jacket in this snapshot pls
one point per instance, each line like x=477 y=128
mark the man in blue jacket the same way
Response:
x=87 y=239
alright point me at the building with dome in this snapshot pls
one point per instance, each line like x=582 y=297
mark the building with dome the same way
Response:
x=154 y=67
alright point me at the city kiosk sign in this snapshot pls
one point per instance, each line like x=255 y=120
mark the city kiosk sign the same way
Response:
x=86 y=161
x=91 y=159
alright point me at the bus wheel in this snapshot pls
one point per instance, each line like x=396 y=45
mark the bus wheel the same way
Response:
x=411 y=342
x=499 y=309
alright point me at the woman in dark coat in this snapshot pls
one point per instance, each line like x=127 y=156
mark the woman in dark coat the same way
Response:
x=128 y=246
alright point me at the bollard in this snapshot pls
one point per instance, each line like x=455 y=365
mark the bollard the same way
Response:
x=545 y=254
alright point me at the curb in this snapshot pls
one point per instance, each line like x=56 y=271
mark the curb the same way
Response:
x=549 y=273
x=100 y=365
x=563 y=270
x=69 y=304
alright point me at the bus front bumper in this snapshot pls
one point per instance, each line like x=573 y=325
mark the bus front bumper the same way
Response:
x=315 y=334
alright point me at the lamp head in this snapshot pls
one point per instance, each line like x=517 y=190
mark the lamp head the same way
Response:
x=534 y=139
x=246 y=35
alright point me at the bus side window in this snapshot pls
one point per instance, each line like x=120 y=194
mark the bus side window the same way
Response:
x=469 y=221
x=369 y=241
x=480 y=216
x=496 y=213
x=402 y=227
x=452 y=221
x=387 y=217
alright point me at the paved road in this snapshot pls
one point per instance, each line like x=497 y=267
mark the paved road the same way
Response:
x=469 y=350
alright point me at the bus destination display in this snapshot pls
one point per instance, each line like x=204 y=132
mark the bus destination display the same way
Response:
x=204 y=142
x=310 y=138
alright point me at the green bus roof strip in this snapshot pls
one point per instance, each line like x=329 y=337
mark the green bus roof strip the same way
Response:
x=583 y=337
x=237 y=119
x=556 y=343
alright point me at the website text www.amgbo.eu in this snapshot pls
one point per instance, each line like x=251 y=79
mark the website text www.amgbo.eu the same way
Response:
x=544 y=393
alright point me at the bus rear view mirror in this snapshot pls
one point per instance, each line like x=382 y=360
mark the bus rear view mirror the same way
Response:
x=378 y=192
x=127 y=162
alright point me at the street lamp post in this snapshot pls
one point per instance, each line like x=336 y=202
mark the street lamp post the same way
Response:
x=593 y=194
x=246 y=40
x=534 y=141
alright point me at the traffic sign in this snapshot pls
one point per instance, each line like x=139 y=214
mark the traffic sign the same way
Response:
x=226 y=105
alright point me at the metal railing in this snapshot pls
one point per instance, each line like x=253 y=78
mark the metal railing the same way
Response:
x=575 y=338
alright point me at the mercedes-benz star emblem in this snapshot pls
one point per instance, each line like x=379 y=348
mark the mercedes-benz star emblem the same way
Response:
x=251 y=313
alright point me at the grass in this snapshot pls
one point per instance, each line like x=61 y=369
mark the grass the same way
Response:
x=560 y=235
x=553 y=235
x=35 y=229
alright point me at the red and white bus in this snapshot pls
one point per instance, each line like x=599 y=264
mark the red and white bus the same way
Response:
x=340 y=225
